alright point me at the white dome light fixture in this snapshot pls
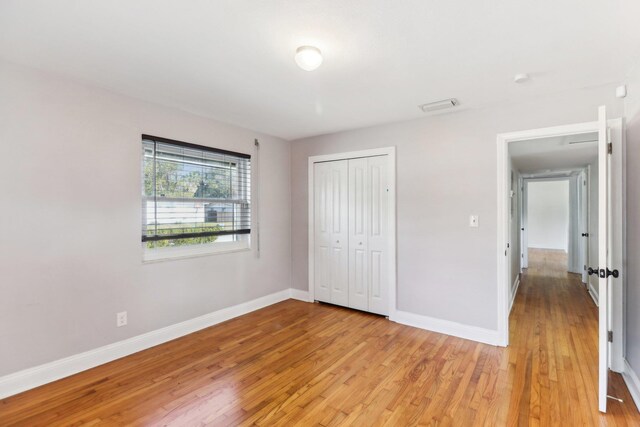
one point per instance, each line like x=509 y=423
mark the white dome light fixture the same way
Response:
x=521 y=77
x=308 y=57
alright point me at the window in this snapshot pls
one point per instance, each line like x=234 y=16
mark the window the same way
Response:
x=195 y=199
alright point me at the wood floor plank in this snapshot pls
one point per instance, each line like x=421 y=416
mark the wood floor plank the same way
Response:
x=296 y=363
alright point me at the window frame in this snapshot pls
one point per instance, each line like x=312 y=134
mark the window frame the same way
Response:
x=241 y=238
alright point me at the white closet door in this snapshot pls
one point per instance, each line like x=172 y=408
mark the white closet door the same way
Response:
x=331 y=236
x=378 y=232
x=322 y=231
x=358 y=233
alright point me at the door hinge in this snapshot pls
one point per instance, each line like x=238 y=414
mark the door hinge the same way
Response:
x=609 y=148
x=610 y=336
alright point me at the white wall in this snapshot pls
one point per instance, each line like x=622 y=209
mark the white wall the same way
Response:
x=70 y=251
x=446 y=171
x=632 y=266
x=548 y=214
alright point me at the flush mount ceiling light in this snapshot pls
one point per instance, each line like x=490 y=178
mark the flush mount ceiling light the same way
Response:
x=521 y=77
x=439 y=105
x=308 y=57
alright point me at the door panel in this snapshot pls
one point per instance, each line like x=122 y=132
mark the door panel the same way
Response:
x=584 y=224
x=358 y=287
x=337 y=208
x=574 y=245
x=616 y=250
x=524 y=227
x=378 y=233
x=330 y=228
x=358 y=242
x=322 y=232
x=322 y=284
x=339 y=277
x=340 y=236
x=604 y=257
x=351 y=233
x=375 y=271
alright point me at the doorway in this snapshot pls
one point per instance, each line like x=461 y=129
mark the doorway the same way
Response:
x=557 y=206
x=610 y=247
x=547 y=219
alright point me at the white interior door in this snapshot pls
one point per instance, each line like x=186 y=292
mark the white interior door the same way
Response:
x=351 y=233
x=604 y=256
x=584 y=224
x=378 y=235
x=575 y=239
x=331 y=235
x=523 y=224
x=358 y=234
x=322 y=231
x=616 y=250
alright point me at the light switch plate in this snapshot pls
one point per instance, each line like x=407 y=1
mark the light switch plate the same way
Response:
x=473 y=221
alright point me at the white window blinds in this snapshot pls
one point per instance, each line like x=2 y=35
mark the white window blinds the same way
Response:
x=193 y=194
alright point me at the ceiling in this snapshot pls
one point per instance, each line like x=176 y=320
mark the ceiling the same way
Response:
x=554 y=154
x=233 y=59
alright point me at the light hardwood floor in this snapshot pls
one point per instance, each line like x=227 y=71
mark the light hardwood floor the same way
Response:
x=296 y=363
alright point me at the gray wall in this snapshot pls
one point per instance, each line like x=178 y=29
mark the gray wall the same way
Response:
x=70 y=251
x=446 y=170
x=632 y=268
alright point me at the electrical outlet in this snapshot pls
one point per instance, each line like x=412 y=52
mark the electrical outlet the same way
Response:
x=121 y=319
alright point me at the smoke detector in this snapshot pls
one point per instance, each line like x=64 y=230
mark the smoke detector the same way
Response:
x=439 y=105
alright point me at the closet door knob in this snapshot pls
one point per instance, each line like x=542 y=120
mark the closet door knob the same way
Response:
x=360 y=243
x=337 y=241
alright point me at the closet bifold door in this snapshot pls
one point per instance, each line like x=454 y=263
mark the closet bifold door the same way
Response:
x=330 y=232
x=378 y=235
x=358 y=234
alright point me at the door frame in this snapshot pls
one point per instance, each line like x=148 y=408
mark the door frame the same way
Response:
x=390 y=152
x=616 y=362
x=571 y=175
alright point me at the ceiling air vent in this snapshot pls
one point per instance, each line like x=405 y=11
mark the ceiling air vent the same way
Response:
x=439 y=105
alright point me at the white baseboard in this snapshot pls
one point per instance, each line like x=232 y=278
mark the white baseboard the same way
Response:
x=633 y=383
x=300 y=295
x=514 y=291
x=594 y=294
x=474 y=333
x=548 y=249
x=33 y=377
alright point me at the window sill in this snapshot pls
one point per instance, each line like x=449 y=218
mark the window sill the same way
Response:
x=167 y=254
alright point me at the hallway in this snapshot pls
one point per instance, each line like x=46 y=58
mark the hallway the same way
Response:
x=554 y=339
